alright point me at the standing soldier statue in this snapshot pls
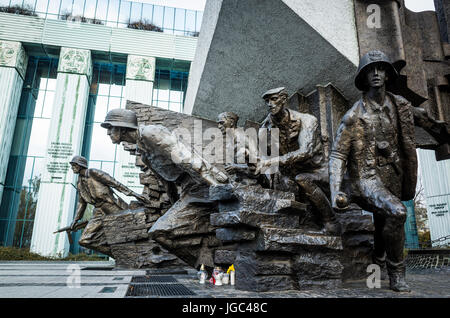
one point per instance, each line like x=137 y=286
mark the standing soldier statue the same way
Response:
x=95 y=187
x=374 y=164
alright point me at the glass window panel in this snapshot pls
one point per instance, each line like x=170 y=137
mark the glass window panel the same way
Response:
x=163 y=95
x=111 y=24
x=28 y=229
x=108 y=167
x=101 y=108
x=164 y=105
x=43 y=83
x=147 y=12
x=113 y=10
x=4 y=3
x=124 y=13
x=29 y=4
x=179 y=19
x=116 y=90
x=95 y=164
x=38 y=170
x=53 y=7
x=103 y=89
x=199 y=20
x=38 y=139
x=66 y=7
x=101 y=146
x=52 y=16
x=190 y=20
x=176 y=96
x=176 y=107
x=18 y=228
x=119 y=75
x=78 y=8
x=177 y=32
x=41 y=6
x=136 y=12
x=175 y=84
x=89 y=9
x=16 y=3
x=39 y=104
x=102 y=9
x=123 y=103
x=28 y=173
x=114 y=102
x=158 y=14
x=122 y=25
x=48 y=104
x=169 y=14
x=51 y=84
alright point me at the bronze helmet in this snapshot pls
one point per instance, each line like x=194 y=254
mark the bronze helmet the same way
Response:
x=120 y=118
x=81 y=161
x=370 y=58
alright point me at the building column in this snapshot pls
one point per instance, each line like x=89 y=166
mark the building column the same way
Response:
x=139 y=79
x=57 y=193
x=138 y=88
x=13 y=65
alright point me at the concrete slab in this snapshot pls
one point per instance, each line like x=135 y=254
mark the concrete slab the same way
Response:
x=248 y=47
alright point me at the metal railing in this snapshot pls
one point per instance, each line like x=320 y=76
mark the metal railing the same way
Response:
x=115 y=13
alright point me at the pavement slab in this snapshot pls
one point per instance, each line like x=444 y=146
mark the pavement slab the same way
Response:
x=102 y=280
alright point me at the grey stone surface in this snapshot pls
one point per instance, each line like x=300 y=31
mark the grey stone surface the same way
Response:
x=424 y=283
x=289 y=53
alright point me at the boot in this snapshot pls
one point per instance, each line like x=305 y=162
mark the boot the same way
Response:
x=381 y=261
x=397 y=277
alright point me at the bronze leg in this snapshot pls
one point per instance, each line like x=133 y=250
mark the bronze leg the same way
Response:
x=320 y=202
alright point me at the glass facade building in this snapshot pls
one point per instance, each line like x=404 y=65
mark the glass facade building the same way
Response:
x=28 y=157
x=26 y=163
x=115 y=13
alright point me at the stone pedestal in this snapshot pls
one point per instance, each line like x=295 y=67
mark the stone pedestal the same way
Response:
x=13 y=64
x=275 y=243
x=56 y=201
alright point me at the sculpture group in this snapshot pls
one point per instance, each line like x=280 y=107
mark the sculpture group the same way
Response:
x=296 y=226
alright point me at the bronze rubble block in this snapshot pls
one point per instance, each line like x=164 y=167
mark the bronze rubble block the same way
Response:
x=290 y=240
x=255 y=219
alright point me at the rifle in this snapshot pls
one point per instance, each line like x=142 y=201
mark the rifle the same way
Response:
x=68 y=229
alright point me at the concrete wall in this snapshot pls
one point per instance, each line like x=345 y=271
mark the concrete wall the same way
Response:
x=247 y=47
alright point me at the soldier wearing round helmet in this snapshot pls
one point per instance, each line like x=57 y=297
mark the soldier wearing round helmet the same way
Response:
x=95 y=187
x=373 y=161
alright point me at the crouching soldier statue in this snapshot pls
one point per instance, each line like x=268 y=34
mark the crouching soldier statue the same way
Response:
x=373 y=161
x=95 y=187
x=301 y=156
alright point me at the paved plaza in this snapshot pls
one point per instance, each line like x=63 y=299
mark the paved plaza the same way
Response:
x=102 y=280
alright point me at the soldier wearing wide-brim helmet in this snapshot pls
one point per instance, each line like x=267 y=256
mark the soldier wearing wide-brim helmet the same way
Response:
x=120 y=118
x=369 y=59
x=80 y=161
x=373 y=161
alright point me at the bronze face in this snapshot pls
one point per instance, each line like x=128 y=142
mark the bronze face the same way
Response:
x=225 y=121
x=76 y=168
x=275 y=103
x=115 y=134
x=376 y=75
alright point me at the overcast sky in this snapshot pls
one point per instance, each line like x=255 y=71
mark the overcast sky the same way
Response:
x=414 y=5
